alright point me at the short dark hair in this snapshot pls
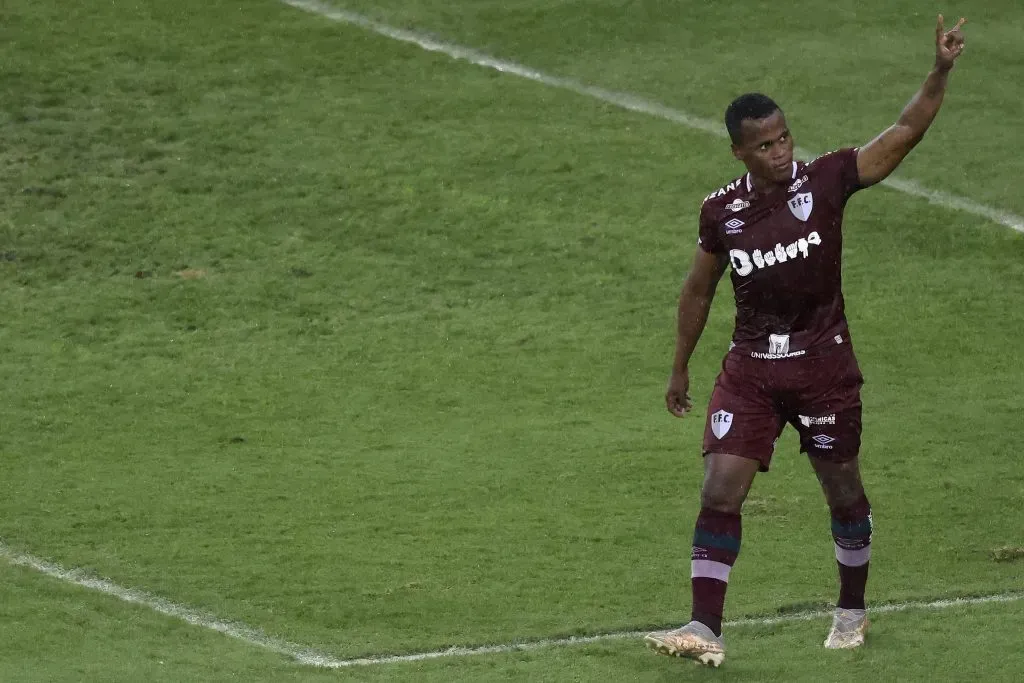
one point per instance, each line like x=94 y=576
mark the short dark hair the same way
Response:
x=753 y=105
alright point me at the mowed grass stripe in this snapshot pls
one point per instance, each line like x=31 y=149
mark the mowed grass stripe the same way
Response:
x=632 y=103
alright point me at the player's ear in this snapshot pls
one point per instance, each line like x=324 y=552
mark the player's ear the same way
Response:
x=737 y=151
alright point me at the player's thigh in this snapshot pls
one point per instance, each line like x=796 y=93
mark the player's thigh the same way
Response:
x=828 y=414
x=727 y=481
x=742 y=418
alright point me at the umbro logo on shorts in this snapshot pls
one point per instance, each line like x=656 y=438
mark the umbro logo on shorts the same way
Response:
x=721 y=423
x=824 y=441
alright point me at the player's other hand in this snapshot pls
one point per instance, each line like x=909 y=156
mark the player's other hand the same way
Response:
x=677 y=397
x=948 y=44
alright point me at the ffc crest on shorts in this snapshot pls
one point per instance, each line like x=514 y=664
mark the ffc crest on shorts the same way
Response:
x=721 y=423
x=801 y=205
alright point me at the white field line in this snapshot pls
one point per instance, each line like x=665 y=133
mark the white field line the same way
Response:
x=235 y=630
x=628 y=101
x=626 y=635
x=309 y=657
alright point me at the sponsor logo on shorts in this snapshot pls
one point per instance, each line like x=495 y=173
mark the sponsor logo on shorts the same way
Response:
x=839 y=339
x=721 y=423
x=808 y=421
x=823 y=441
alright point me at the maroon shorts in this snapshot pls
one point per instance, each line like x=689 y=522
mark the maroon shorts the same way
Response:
x=754 y=399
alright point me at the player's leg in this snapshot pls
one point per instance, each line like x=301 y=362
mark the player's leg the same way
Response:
x=851 y=526
x=718 y=532
x=716 y=544
x=741 y=429
x=830 y=433
x=851 y=532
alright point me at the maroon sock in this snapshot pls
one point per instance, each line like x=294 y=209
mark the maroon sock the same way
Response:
x=851 y=530
x=716 y=543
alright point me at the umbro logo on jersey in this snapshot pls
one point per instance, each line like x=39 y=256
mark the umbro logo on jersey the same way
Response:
x=737 y=205
x=734 y=226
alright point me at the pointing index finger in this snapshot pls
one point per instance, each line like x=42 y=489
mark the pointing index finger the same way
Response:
x=956 y=28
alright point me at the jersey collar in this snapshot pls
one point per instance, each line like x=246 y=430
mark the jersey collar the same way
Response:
x=750 y=184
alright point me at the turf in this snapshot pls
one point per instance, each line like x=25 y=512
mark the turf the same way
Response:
x=101 y=639
x=366 y=347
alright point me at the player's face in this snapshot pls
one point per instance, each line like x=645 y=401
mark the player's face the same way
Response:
x=767 y=148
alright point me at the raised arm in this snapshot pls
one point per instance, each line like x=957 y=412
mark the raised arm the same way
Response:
x=694 y=305
x=880 y=157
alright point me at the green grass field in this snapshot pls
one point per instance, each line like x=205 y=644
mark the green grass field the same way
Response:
x=365 y=347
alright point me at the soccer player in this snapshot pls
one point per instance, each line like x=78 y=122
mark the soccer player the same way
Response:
x=791 y=360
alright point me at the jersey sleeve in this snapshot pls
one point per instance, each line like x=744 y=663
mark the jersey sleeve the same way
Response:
x=709 y=238
x=841 y=169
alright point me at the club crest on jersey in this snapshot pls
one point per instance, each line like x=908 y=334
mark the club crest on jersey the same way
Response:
x=801 y=205
x=738 y=205
x=721 y=423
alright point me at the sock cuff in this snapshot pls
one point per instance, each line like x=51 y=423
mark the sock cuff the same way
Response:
x=712 y=514
x=717 y=536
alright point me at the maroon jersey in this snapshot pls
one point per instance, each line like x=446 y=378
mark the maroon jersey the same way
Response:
x=785 y=248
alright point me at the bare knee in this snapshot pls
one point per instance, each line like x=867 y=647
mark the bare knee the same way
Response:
x=845 y=495
x=841 y=483
x=727 y=480
x=720 y=499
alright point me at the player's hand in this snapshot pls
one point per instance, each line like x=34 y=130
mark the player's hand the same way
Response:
x=948 y=44
x=677 y=397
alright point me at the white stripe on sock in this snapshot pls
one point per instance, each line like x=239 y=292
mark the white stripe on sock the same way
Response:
x=853 y=558
x=708 y=569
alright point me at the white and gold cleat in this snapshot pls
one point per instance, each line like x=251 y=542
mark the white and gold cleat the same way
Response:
x=848 y=627
x=693 y=641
